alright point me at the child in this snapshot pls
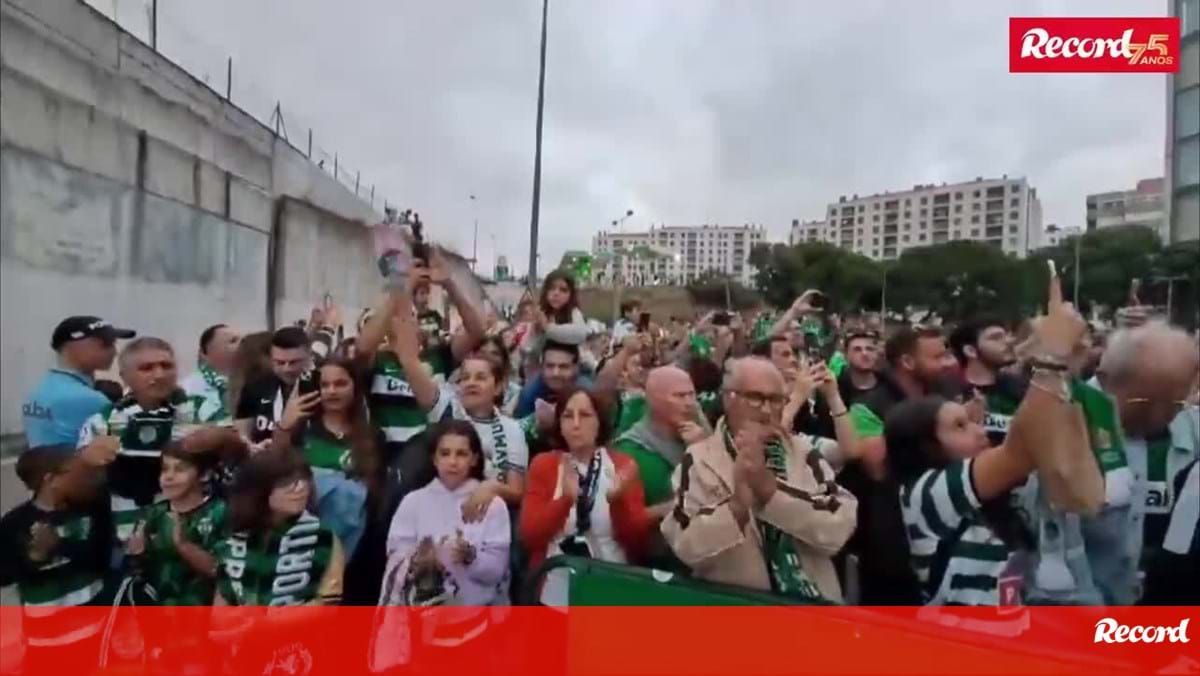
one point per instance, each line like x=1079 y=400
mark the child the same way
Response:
x=173 y=548
x=55 y=548
x=279 y=553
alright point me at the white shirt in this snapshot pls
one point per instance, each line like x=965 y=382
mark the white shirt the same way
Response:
x=503 y=440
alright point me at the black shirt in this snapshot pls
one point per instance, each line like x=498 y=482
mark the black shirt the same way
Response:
x=263 y=401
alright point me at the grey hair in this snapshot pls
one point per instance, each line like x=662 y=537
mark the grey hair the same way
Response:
x=141 y=345
x=733 y=369
x=1127 y=347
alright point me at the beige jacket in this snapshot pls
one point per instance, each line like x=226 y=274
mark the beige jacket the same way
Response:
x=809 y=506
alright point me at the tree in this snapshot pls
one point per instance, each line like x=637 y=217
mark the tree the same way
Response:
x=1109 y=260
x=958 y=279
x=784 y=272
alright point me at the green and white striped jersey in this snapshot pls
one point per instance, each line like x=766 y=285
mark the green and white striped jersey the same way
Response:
x=394 y=409
x=144 y=433
x=73 y=575
x=941 y=507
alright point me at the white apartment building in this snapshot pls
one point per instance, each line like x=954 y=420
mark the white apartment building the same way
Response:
x=1053 y=235
x=1004 y=212
x=676 y=254
x=1145 y=205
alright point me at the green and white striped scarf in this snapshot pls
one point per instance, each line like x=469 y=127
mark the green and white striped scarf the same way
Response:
x=783 y=563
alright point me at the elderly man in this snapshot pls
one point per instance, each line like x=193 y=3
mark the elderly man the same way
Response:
x=752 y=494
x=1149 y=372
x=657 y=442
x=127 y=438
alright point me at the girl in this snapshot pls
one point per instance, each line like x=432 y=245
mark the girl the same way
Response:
x=583 y=500
x=331 y=430
x=269 y=519
x=557 y=316
x=435 y=556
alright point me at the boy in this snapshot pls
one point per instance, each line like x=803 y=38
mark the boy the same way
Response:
x=172 y=548
x=55 y=548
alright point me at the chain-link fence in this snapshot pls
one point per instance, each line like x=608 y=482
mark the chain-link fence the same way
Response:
x=162 y=26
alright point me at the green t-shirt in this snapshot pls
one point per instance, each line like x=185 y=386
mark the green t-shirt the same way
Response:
x=654 y=470
x=633 y=409
x=173 y=581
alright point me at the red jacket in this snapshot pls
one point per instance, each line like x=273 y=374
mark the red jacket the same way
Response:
x=543 y=516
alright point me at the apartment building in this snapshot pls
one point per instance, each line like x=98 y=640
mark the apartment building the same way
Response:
x=1053 y=235
x=1145 y=205
x=1004 y=212
x=1182 y=165
x=675 y=254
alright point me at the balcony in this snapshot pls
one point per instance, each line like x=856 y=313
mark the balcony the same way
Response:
x=941 y=212
x=995 y=205
x=997 y=231
x=943 y=198
x=892 y=205
x=997 y=191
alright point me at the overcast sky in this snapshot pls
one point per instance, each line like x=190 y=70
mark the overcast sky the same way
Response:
x=686 y=111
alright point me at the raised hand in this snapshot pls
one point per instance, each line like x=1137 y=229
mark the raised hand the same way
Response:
x=101 y=451
x=570 y=479
x=475 y=507
x=621 y=482
x=43 y=539
x=1062 y=328
x=299 y=407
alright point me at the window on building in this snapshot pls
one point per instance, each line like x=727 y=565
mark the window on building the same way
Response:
x=924 y=212
x=875 y=218
x=975 y=206
x=1012 y=229
x=977 y=193
x=860 y=220
x=861 y=208
x=875 y=206
x=958 y=195
x=958 y=208
x=921 y=237
x=1012 y=241
x=1015 y=187
x=875 y=241
x=907 y=201
x=903 y=238
x=875 y=230
x=1012 y=215
x=958 y=221
x=975 y=232
x=1015 y=202
x=924 y=200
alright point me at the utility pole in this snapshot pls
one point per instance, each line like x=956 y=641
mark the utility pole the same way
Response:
x=1075 y=295
x=537 y=155
x=475 y=244
x=153 y=24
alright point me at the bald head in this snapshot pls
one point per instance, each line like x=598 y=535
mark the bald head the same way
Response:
x=758 y=370
x=670 y=396
x=1149 y=369
x=753 y=393
x=1156 y=352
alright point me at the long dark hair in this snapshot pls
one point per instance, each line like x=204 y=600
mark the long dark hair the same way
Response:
x=604 y=427
x=365 y=454
x=563 y=315
x=249 y=499
x=456 y=428
x=505 y=357
x=910 y=433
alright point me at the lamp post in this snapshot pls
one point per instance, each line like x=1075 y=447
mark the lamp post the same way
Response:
x=475 y=241
x=537 y=155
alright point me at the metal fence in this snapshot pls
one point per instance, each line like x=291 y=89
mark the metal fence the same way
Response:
x=162 y=26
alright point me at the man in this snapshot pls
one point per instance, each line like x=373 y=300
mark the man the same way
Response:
x=393 y=407
x=751 y=493
x=560 y=373
x=210 y=382
x=859 y=378
x=813 y=416
x=1149 y=372
x=260 y=406
x=879 y=546
x=658 y=441
x=984 y=348
x=127 y=438
x=66 y=396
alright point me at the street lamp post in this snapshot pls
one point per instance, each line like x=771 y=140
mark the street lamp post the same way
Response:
x=475 y=242
x=537 y=155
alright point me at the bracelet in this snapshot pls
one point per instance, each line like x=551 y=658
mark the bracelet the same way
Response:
x=839 y=414
x=1044 y=364
x=1063 y=393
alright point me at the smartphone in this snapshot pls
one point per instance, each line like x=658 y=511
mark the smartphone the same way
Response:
x=643 y=322
x=1053 y=268
x=309 y=382
x=721 y=319
x=328 y=300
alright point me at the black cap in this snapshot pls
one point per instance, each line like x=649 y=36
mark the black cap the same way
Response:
x=78 y=328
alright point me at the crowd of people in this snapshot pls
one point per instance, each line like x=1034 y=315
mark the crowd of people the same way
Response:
x=397 y=462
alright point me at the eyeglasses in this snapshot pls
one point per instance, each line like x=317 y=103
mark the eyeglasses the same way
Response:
x=760 y=399
x=1176 y=406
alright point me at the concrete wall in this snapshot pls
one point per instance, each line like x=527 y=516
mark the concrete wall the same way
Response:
x=133 y=191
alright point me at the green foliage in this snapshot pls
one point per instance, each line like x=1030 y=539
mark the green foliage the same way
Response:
x=959 y=279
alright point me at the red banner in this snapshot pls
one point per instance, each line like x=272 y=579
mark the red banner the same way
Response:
x=585 y=641
x=1093 y=45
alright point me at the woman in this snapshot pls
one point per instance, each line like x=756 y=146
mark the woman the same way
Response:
x=269 y=520
x=331 y=430
x=492 y=348
x=583 y=500
x=438 y=558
